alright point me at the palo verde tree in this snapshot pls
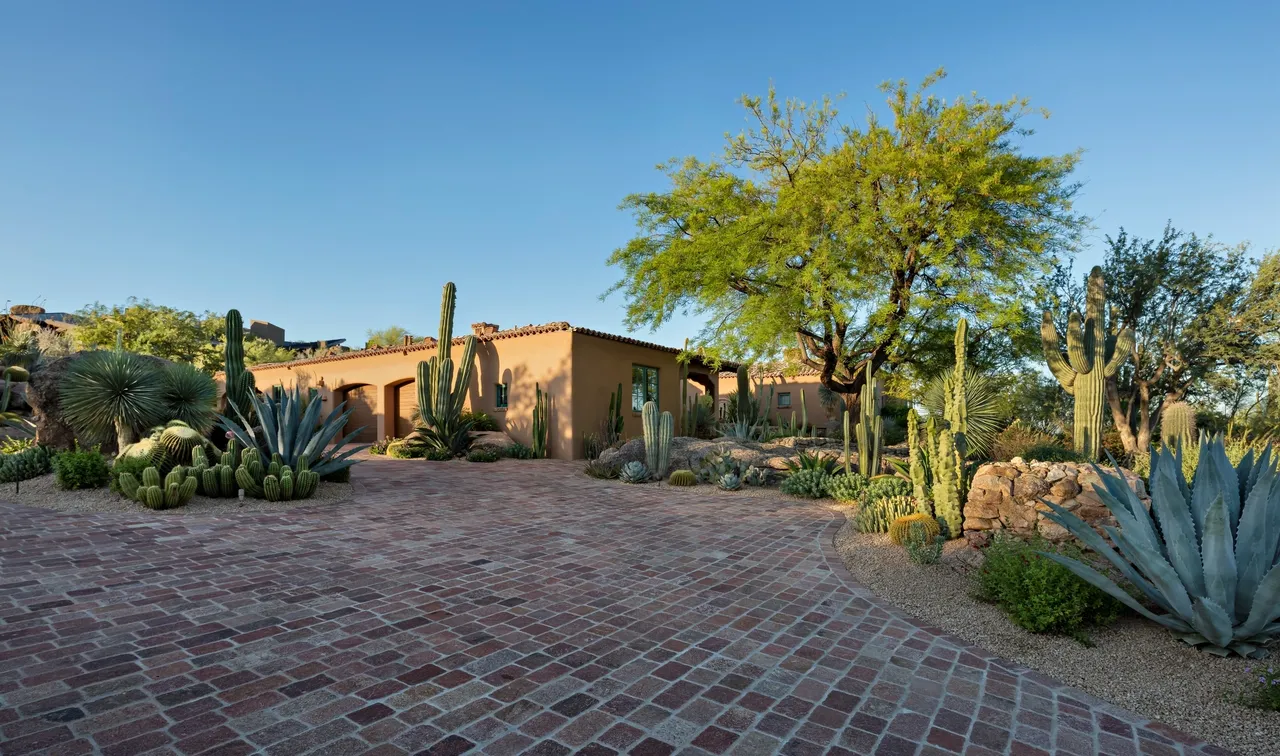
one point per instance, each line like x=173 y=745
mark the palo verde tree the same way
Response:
x=844 y=240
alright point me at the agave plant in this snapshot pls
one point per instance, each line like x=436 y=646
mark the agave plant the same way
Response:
x=807 y=460
x=634 y=472
x=112 y=392
x=1211 y=567
x=294 y=433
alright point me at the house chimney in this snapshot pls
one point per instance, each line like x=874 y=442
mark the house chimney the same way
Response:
x=484 y=329
x=408 y=339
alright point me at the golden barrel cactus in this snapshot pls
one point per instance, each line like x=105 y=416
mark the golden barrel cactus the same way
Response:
x=900 y=528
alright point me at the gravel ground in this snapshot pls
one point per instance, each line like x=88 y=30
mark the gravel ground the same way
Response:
x=42 y=492
x=1135 y=664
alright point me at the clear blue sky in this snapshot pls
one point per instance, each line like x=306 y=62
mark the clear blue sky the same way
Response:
x=280 y=156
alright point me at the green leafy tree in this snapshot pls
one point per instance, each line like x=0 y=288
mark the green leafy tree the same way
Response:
x=389 y=336
x=848 y=241
x=157 y=330
x=262 y=352
x=1180 y=294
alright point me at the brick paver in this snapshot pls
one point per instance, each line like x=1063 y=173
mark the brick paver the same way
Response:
x=499 y=609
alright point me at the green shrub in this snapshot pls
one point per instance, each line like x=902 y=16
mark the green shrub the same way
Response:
x=517 y=450
x=484 y=454
x=886 y=486
x=379 y=448
x=126 y=464
x=16 y=445
x=404 y=450
x=603 y=470
x=480 y=421
x=25 y=465
x=1262 y=689
x=1053 y=453
x=807 y=484
x=1016 y=440
x=82 y=468
x=437 y=455
x=847 y=488
x=1039 y=594
x=921 y=548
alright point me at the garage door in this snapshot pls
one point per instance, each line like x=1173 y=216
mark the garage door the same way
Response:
x=406 y=408
x=362 y=400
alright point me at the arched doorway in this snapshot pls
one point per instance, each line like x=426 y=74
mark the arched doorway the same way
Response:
x=404 y=399
x=362 y=400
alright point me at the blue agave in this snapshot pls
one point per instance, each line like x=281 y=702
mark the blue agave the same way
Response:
x=291 y=427
x=1213 y=563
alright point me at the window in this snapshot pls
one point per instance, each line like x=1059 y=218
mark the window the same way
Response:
x=784 y=400
x=644 y=386
x=500 y=395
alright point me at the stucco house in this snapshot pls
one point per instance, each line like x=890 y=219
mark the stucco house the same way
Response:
x=579 y=367
x=789 y=383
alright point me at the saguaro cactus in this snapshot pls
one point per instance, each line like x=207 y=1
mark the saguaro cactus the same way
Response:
x=1085 y=371
x=239 y=381
x=541 y=418
x=441 y=394
x=870 y=426
x=1178 y=424
x=658 y=430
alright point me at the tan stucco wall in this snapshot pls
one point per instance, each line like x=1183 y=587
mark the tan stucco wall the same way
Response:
x=578 y=370
x=795 y=385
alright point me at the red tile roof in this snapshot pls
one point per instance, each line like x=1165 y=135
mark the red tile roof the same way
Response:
x=511 y=333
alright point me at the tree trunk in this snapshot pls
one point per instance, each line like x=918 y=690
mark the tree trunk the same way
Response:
x=124 y=436
x=1119 y=418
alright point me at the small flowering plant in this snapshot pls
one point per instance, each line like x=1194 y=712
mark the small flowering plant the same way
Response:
x=1262 y=688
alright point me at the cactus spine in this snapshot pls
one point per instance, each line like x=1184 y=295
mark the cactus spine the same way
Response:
x=658 y=430
x=239 y=381
x=1084 y=373
x=441 y=394
x=541 y=417
x=1178 y=424
x=870 y=428
x=919 y=481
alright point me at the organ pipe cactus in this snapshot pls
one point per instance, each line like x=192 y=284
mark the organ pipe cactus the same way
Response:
x=441 y=393
x=1207 y=556
x=870 y=428
x=658 y=430
x=946 y=490
x=239 y=381
x=847 y=455
x=541 y=418
x=1085 y=371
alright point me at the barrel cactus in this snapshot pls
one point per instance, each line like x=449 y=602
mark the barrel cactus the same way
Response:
x=683 y=478
x=900 y=528
x=1212 y=566
x=175 y=446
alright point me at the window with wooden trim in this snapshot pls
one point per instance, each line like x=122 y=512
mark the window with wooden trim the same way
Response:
x=644 y=386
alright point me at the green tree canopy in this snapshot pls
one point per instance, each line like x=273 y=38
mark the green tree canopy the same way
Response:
x=850 y=242
x=389 y=336
x=157 y=330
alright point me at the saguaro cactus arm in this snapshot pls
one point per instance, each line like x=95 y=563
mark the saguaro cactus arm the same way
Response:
x=1053 y=355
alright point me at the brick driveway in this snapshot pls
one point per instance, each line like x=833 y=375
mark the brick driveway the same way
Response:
x=506 y=608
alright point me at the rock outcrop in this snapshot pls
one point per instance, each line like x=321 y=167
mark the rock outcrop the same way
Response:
x=688 y=453
x=1006 y=496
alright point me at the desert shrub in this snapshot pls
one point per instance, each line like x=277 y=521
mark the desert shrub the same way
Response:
x=127 y=464
x=15 y=445
x=1053 y=453
x=380 y=447
x=603 y=470
x=886 y=486
x=404 y=450
x=480 y=421
x=1015 y=440
x=517 y=450
x=847 y=488
x=1262 y=689
x=484 y=454
x=922 y=545
x=81 y=468
x=25 y=465
x=1039 y=594
x=437 y=455
x=807 y=484
x=592 y=446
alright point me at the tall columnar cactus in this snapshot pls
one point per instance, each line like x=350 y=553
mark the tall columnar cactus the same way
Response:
x=870 y=426
x=613 y=427
x=744 y=395
x=919 y=481
x=658 y=430
x=688 y=419
x=541 y=418
x=1178 y=424
x=441 y=393
x=957 y=407
x=1085 y=371
x=804 y=415
x=239 y=381
x=847 y=455
x=946 y=493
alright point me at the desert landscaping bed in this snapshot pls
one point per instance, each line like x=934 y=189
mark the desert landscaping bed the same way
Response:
x=43 y=492
x=1134 y=664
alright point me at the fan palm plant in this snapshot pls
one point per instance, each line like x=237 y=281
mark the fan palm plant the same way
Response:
x=984 y=418
x=1212 y=566
x=112 y=392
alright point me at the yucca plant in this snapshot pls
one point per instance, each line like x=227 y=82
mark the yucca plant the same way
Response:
x=189 y=395
x=983 y=417
x=1212 y=566
x=294 y=433
x=112 y=392
x=807 y=460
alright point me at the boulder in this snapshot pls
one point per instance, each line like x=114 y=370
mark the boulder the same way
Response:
x=496 y=439
x=688 y=453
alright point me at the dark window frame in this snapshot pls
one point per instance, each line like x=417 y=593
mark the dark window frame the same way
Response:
x=502 y=395
x=648 y=385
x=787 y=394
